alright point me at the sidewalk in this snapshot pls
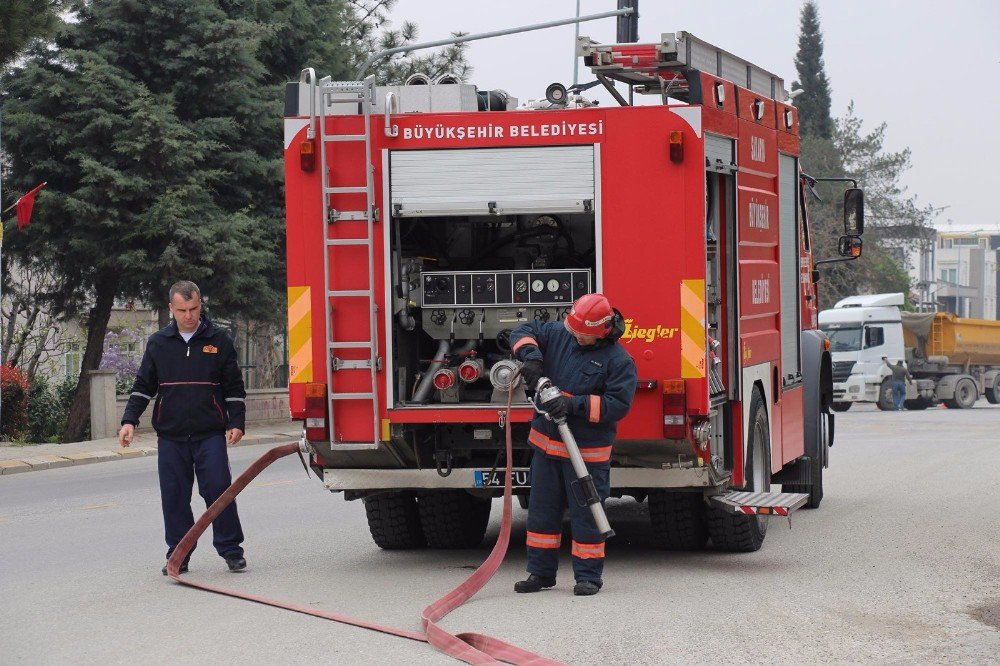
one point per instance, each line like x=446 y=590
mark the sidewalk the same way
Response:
x=31 y=458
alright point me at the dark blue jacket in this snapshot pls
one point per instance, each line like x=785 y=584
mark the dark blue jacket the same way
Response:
x=197 y=384
x=601 y=380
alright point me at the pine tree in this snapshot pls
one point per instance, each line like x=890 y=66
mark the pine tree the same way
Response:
x=22 y=21
x=136 y=120
x=814 y=102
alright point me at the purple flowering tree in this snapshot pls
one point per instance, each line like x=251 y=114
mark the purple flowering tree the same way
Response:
x=122 y=353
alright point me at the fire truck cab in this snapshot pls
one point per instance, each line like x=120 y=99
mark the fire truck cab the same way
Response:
x=426 y=221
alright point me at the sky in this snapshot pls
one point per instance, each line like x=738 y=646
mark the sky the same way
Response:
x=929 y=70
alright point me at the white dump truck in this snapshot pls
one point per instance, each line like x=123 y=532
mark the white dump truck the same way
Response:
x=952 y=360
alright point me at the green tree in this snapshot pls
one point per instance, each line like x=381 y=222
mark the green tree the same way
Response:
x=23 y=21
x=814 y=101
x=136 y=120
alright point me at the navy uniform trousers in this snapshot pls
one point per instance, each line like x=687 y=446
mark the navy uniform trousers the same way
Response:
x=551 y=494
x=179 y=463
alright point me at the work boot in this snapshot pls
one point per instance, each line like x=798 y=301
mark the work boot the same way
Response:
x=585 y=588
x=183 y=569
x=534 y=583
x=236 y=563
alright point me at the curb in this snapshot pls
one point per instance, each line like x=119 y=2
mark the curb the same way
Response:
x=42 y=462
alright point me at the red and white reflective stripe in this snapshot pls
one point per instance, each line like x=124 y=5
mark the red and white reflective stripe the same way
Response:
x=771 y=510
x=588 y=551
x=595 y=409
x=543 y=540
x=554 y=447
x=526 y=340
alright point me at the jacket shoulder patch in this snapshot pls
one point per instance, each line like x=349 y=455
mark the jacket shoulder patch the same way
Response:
x=210 y=349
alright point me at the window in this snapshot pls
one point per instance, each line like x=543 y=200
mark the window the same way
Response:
x=74 y=359
x=874 y=336
x=843 y=338
x=949 y=275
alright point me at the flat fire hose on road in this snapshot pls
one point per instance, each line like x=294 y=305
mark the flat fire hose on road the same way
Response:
x=472 y=648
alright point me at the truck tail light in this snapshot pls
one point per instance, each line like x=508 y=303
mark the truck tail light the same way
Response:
x=307 y=155
x=677 y=147
x=470 y=370
x=316 y=412
x=444 y=379
x=674 y=409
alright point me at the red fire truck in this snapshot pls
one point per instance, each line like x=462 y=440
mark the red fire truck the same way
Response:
x=425 y=221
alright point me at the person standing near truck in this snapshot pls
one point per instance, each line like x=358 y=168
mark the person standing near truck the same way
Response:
x=900 y=377
x=582 y=357
x=190 y=368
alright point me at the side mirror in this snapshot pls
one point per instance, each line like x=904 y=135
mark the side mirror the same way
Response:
x=854 y=213
x=849 y=246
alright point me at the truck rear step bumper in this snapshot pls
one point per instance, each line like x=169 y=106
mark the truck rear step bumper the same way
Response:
x=399 y=479
x=765 y=504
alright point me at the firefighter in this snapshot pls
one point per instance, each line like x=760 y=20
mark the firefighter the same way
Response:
x=581 y=356
x=190 y=367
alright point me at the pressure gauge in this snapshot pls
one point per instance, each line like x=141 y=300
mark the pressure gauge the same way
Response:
x=553 y=285
x=521 y=286
x=537 y=286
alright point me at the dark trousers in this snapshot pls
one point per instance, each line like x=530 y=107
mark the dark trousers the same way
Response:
x=551 y=494
x=179 y=463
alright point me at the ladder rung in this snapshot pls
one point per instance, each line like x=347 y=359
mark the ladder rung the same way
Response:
x=353 y=344
x=348 y=241
x=348 y=215
x=345 y=190
x=349 y=292
x=351 y=396
x=347 y=137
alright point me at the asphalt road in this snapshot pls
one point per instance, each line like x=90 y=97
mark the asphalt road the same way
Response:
x=900 y=565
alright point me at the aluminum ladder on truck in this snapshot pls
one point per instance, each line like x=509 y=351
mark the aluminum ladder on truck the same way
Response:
x=362 y=95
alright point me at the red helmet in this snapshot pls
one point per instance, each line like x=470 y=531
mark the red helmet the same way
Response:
x=591 y=314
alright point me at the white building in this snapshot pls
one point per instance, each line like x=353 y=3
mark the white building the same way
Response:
x=957 y=271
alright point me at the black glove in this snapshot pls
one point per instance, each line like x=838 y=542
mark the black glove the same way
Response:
x=558 y=407
x=531 y=372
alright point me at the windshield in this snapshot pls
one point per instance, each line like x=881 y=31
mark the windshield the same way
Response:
x=843 y=339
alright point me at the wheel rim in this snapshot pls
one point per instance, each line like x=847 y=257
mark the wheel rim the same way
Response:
x=965 y=393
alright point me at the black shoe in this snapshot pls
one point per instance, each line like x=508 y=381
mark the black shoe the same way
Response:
x=183 y=569
x=236 y=563
x=534 y=583
x=585 y=588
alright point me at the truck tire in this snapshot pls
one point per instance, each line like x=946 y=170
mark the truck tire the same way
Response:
x=678 y=520
x=815 y=451
x=916 y=404
x=993 y=392
x=453 y=518
x=885 y=402
x=965 y=396
x=393 y=521
x=740 y=533
x=841 y=406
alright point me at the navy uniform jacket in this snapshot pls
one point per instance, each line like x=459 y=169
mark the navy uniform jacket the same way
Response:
x=197 y=384
x=600 y=379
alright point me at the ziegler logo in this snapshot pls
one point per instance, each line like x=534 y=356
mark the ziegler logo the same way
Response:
x=633 y=332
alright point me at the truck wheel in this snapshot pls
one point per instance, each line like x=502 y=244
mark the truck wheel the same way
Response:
x=966 y=395
x=393 y=521
x=678 y=520
x=742 y=533
x=453 y=518
x=993 y=392
x=885 y=402
x=817 y=451
x=841 y=406
x=916 y=404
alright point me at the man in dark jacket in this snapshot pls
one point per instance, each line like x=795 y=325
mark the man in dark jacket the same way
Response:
x=190 y=368
x=581 y=356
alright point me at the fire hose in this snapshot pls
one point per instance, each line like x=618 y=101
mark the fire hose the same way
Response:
x=472 y=648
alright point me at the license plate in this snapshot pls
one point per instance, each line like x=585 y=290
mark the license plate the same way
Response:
x=493 y=478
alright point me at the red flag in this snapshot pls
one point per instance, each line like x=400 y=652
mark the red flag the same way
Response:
x=24 y=206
